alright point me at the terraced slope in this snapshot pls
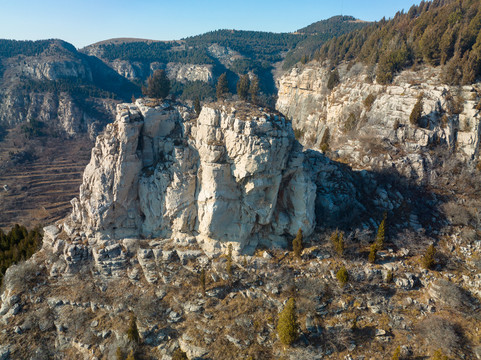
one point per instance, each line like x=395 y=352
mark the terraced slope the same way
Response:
x=42 y=182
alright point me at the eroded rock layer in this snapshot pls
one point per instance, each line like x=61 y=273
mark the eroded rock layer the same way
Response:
x=234 y=174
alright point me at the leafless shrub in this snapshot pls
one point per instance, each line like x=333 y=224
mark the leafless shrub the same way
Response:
x=456 y=214
x=452 y=296
x=21 y=276
x=439 y=333
x=149 y=307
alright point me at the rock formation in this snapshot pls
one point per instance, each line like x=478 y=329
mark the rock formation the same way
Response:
x=376 y=133
x=58 y=86
x=235 y=174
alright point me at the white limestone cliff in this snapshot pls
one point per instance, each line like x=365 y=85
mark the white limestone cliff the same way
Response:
x=231 y=175
x=380 y=135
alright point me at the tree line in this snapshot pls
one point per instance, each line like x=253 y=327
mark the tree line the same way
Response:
x=17 y=245
x=155 y=51
x=438 y=33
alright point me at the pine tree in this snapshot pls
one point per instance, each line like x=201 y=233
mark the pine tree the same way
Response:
x=297 y=245
x=373 y=253
x=438 y=355
x=397 y=353
x=179 y=355
x=337 y=240
x=342 y=276
x=254 y=89
x=133 y=331
x=417 y=112
x=131 y=355
x=243 y=87
x=197 y=106
x=222 y=87
x=389 y=276
x=118 y=354
x=428 y=260
x=287 y=326
x=380 y=237
x=158 y=85
x=333 y=79
x=202 y=281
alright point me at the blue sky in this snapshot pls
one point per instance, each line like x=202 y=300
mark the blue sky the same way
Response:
x=88 y=21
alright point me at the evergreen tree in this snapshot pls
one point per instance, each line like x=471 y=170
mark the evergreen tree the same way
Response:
x=337 y=240
x=297 y=245
x=197 y=106
x=342 y=276
x=158 y=85
x=133 y=331
x=438 y=355
x=222 y=87
x=428 y=260
x=203 y=280
x=397 y=353
x=373 y=253
x=380 y=237
x=333 y=79
x=179 y=355
x=417 y=112
x=131 y=355
x=287 y=326
x=243 y=87
x=118 y=354
x=389 y=276
x=254 y=89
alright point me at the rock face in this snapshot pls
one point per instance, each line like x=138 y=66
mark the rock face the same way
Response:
x=376 y=133
x=235 y=174
x=58 y=111
x=141 y=70
x=57 y=86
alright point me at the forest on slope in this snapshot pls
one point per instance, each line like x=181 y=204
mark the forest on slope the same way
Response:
x=438 y=33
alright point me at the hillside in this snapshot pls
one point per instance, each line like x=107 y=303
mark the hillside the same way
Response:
x=336 y=25
x=204 y=57
x=178 y=246
x=345 y=224
x=437 y=33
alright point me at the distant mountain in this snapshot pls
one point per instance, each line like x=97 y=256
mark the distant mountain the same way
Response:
x=49 y=82
x=317 y=34
x=53 y=72
x=193 y=64
x=335 y=26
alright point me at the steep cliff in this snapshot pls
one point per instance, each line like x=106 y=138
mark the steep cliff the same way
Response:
x=49 y=81
x=368 y=125
x=232 y=175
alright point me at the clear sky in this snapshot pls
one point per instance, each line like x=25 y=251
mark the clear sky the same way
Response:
x=83 y=22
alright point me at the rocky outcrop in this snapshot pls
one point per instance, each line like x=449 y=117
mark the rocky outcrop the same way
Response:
x=138 y=70
x=59 y=111
x=235 y=174
x=376 y=132
x=190 y=72
x=57 y=86
x=59 y=60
